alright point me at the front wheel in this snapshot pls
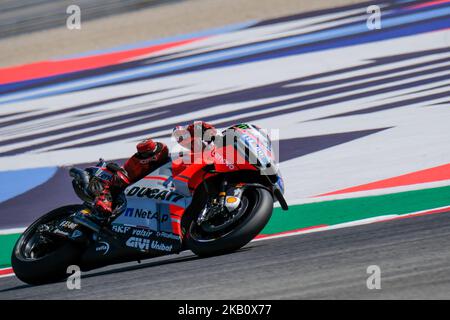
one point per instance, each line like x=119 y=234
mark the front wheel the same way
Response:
x=37 y=259
x=257 y=206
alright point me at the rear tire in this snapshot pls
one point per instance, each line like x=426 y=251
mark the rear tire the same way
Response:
x=250 y=227
x=52 y=267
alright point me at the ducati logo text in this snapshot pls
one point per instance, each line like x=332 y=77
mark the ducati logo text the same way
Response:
x=156 y=194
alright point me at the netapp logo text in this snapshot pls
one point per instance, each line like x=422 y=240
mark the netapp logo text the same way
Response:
x=145 y=214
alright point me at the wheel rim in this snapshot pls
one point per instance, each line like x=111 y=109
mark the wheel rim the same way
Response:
x=221 y=223
x=214 y=232
x=34 y=245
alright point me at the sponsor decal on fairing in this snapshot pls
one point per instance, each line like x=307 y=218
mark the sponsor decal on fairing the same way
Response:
x=147 y=244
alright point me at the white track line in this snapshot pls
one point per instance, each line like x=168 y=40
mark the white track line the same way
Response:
x=11 y=231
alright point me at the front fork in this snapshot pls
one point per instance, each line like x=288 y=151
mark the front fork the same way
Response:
x=227 y=201
x=217 y=203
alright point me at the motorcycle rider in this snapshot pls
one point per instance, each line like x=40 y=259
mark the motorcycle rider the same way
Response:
x=150 y=155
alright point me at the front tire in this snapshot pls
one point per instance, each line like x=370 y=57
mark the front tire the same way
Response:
x=51 y=267
x=251 y=225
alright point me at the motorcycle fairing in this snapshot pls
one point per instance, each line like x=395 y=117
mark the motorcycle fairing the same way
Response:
x=257 y=142
x=156 y=203
x=153 y=212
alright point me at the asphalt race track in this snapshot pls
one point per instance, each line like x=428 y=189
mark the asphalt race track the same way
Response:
x=322 y=265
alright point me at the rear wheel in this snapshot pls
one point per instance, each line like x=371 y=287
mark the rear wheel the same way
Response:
x=223 y=236
x=37 y=258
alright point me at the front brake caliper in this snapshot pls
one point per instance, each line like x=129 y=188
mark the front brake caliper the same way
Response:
x=233 y=198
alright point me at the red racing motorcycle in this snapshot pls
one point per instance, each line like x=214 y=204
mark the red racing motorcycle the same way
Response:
x=212 y=206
